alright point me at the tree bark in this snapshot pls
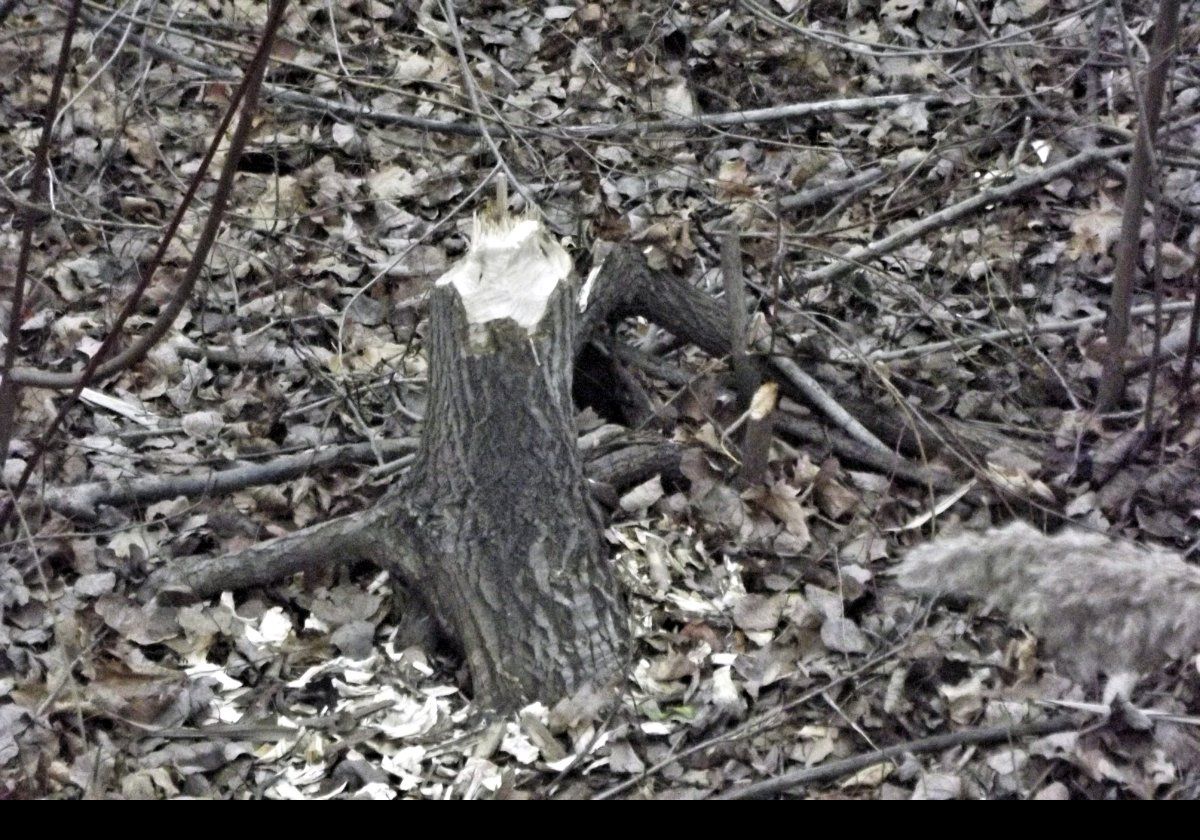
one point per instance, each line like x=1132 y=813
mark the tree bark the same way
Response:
x=504 y=538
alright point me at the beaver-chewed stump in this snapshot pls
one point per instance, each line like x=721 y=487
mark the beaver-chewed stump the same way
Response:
x=503 y=538
x=495 y=526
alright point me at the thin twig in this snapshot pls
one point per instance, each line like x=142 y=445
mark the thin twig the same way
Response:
x=10 y=392
x=1156 y=345
x=1189 y=356
x=246 y=95
x=473 y=96
x=1112 y=380
x=1015 y=332
x=745 y=376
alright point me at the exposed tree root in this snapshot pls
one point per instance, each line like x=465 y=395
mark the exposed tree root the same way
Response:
x=335 y=543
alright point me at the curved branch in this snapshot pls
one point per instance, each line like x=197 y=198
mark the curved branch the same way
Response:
x=40 y=178
x=245 y=95
x=248 y=92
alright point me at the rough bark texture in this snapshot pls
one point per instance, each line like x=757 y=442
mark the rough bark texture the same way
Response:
x=506 y=539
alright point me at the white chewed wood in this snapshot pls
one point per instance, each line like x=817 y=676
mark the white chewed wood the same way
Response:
x=585 y=293
x=512 y=268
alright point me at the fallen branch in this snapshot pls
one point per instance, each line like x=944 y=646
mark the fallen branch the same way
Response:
x=885 y=462
x=852 y=184
x=670 y=301
x=619 y=469
x=815 y=395
x=1014 y=332
x=83 y=500
x=852 y=259
x=750 y=117
x=856 y=452
x=844 y=767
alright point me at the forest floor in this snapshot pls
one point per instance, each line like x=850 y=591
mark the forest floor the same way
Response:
x=769 y=635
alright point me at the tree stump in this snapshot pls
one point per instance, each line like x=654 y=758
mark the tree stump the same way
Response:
x=504 y=540
x=495 y=526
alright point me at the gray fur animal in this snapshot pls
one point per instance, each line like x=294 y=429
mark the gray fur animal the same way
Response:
x=1098 y=605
